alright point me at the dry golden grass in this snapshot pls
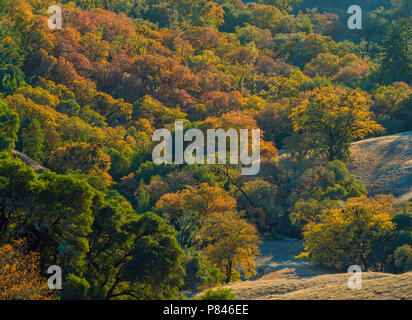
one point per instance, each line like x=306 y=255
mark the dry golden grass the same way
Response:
x=384 y=165
x=283 y=277
x=327 y=287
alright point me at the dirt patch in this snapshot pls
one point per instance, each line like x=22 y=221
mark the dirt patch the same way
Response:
x=277 y=260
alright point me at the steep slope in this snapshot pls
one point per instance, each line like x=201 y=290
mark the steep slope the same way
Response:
x=384 y=165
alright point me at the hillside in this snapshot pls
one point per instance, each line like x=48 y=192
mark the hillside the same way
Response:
x=99 y=99
x=384 y=164
x=284 y=277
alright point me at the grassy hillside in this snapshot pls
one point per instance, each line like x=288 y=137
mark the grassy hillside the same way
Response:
x=283 y=277
x=384 y=165
x=375 y=286
x=100 y=98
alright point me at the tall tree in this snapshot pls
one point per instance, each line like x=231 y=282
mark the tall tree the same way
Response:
x=186 y=210
x=32 y=139
x=231 y=243
x=350 y=235
x=333 y=118
x=11 y=60
x=396 y=52
x=89 y=159
x=9 y=126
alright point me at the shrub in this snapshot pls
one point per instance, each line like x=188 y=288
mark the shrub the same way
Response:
x=218 y=294
x=403 y=258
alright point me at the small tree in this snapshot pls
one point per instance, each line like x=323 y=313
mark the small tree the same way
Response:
x=186 y=210
x=231 y=243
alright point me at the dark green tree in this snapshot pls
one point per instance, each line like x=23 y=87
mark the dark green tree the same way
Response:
x=396 y=52
x=69 y=107
x=9 y=126
x=11 y=60
x=32 y=139
x=132 y=256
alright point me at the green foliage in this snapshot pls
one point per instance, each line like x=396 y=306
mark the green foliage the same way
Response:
x=196 y=270
x=403 y=258
x=11 y=61
x=340 y=184
x=9 y=126
x=215 y=277
x=155 y=265
x=403 y=221
x=307 y=26
x=69 y=107
x=218 y=294
x=233 y=17
x=396 y=52
x=328 y=184
x=32 y=139
x=120 y=164
x=142 y=200
x=75 y=288
x=97 y=90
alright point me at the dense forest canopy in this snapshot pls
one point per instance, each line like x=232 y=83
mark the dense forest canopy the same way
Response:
x=84 y=100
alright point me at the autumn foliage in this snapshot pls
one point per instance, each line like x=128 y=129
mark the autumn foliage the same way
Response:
x=79 y=106
x=20 y=274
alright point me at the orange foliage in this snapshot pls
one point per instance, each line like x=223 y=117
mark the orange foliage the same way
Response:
x=20 y=277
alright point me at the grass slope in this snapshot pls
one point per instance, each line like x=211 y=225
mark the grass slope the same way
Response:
x=384 y=165
x=283 y=277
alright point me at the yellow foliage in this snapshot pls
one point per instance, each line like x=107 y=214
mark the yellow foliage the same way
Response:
x=348 y=236
x=333 y=118
x=20 y=277
x=231 y=243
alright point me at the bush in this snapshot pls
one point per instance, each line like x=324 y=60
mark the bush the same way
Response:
x=403 y=258
x=218 y=294
x=196 y=267
x=403 y=221
x=214 y=277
